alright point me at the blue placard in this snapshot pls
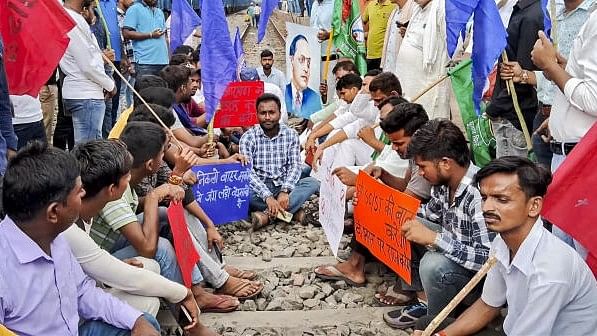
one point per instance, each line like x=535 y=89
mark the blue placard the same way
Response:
x=222 y=190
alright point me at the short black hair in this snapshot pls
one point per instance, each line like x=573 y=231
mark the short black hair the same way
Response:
x=533 y=179
x=179 y=59
x=266 y=53
x=156 y=95
x=103 y=163
x=196 y=55
x=183 y=49
x=406 y=116
x=346 y=65
x=142 y=113
x=148 y=81
x=394 y=101
x=268 y=97
x=144 y=140
x=372 y=73
x=437 y=139
x=176 y=76
x=292 y=48
x=36 y=177
x=387 y=82
x=349 y=81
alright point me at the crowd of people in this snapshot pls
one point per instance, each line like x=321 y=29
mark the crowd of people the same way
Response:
x=89 y=169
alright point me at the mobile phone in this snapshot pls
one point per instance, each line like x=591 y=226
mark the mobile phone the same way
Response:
x=184 y=318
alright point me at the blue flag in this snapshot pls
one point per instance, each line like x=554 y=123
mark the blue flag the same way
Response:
x=489 y=38
x=218 y=59
x=546 y=17
x=240 y=53
x=183 y=23
x=267 y=8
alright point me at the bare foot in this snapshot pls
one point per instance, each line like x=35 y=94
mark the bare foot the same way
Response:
x=201 y=330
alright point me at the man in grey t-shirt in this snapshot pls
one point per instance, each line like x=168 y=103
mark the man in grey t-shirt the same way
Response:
x=399 y=125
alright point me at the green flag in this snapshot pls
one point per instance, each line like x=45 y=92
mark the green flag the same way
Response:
x=478 y=128
x=349 y=35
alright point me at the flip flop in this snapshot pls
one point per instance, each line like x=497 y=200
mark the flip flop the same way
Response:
x=336 y=275
x=400 y=298
x=235 y=272
x=242 y=285
x=215 y=307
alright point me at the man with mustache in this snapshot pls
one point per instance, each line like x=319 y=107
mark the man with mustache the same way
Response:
x=548 y=287
x=301 y=100
x=450 y=241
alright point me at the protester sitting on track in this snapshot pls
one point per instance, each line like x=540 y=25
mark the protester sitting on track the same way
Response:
x=43 y=290
x=274 y=151
x=548 y=287
x=449 y=237
x=399 y=125
x=105 y=174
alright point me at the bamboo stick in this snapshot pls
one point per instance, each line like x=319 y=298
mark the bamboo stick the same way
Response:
x=460 y=296
x=427 y=89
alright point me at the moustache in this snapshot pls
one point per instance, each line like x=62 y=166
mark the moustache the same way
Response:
x=491 y=215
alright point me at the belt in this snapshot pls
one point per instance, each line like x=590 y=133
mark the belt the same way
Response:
x=333 y=57
x=560 y=148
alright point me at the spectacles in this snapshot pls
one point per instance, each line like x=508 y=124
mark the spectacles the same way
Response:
x=302 y=60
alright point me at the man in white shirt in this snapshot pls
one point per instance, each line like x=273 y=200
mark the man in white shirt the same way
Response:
x=574 y=108
x=267 y=72
x=251 y=74
x=86 y=84
x=549 y=289
x=27 y=119
x=396 y=27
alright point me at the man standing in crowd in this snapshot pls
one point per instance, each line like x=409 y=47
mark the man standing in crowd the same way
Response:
x=48 y=97
x=274 y=151
x=144 y=24
x=396 y=27
x=548 y=288
x=28 y=119
x=376 y=15
x=86 y=84
x=575 y=102
x=267 y=72
x=251 y=14
x=42 y=198
x=525 y=22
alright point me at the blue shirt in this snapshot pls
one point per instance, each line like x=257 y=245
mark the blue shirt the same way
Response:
x=45 y=295
x=8 y=139
x=108 y=8
x=144 y=19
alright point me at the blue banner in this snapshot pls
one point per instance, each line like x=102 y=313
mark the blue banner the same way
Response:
x=223 y=191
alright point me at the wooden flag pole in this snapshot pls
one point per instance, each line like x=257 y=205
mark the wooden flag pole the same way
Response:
x=428 y=88
x=460 y=296
x=328 y=52
x=554 y=23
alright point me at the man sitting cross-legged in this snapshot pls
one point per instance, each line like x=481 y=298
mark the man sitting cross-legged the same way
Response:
x=399 y=125
x=273 y=149
x=547 y=286
x=43 y=290
x=449 y=239
x=105 y=174
x=124 y=234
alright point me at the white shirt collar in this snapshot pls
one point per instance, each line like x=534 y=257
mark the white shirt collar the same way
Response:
x=524 y=256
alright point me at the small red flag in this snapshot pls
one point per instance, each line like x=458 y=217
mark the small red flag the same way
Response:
x=571 y=200
x=35 y=38
x=186 y=254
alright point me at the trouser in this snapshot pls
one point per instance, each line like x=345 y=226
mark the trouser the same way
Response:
x=107 y=123
x=540 y=147
x=88 y=116
x=30 y=132
x=63 y=133
x=373 y=63
x=253 y=21
x=96 y=328
x=424 y=321
x=48 y=97
x=352 y=152
x=302 y=191
x=556 y=162
x=148 y=69
x=509 y=140
x=116 y=98
x=165 y=254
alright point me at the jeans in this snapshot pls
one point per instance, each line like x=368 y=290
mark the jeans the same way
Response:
x=30 y=132
x=304 y=188
x=509 y=140
x=88 y=117
x=165 y=254
x=96 y=328
x=540 y=147
x=148 y=69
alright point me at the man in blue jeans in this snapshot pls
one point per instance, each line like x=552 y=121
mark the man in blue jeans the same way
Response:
x=144 y=24
x=274 y=151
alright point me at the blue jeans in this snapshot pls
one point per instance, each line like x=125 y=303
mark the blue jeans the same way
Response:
x=304 y=188
x=165 y=254
x=88 y=117
x=96 y=328
x=508 y=139
x=148 y=69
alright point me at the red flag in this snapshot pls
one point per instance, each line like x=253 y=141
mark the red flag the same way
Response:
x=35 y=38
x=186 y=254
x=571 y=200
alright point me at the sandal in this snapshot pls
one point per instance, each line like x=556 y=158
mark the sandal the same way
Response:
x=235 y=272
x=397 y=298
x=223 y=304
x=406 y=317
x=243 y=284
x=336 y=275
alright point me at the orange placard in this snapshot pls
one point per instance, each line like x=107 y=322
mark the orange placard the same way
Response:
x=378 y=218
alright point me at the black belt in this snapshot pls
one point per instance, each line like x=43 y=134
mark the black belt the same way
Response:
x=561 y=148
x=333 y=57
